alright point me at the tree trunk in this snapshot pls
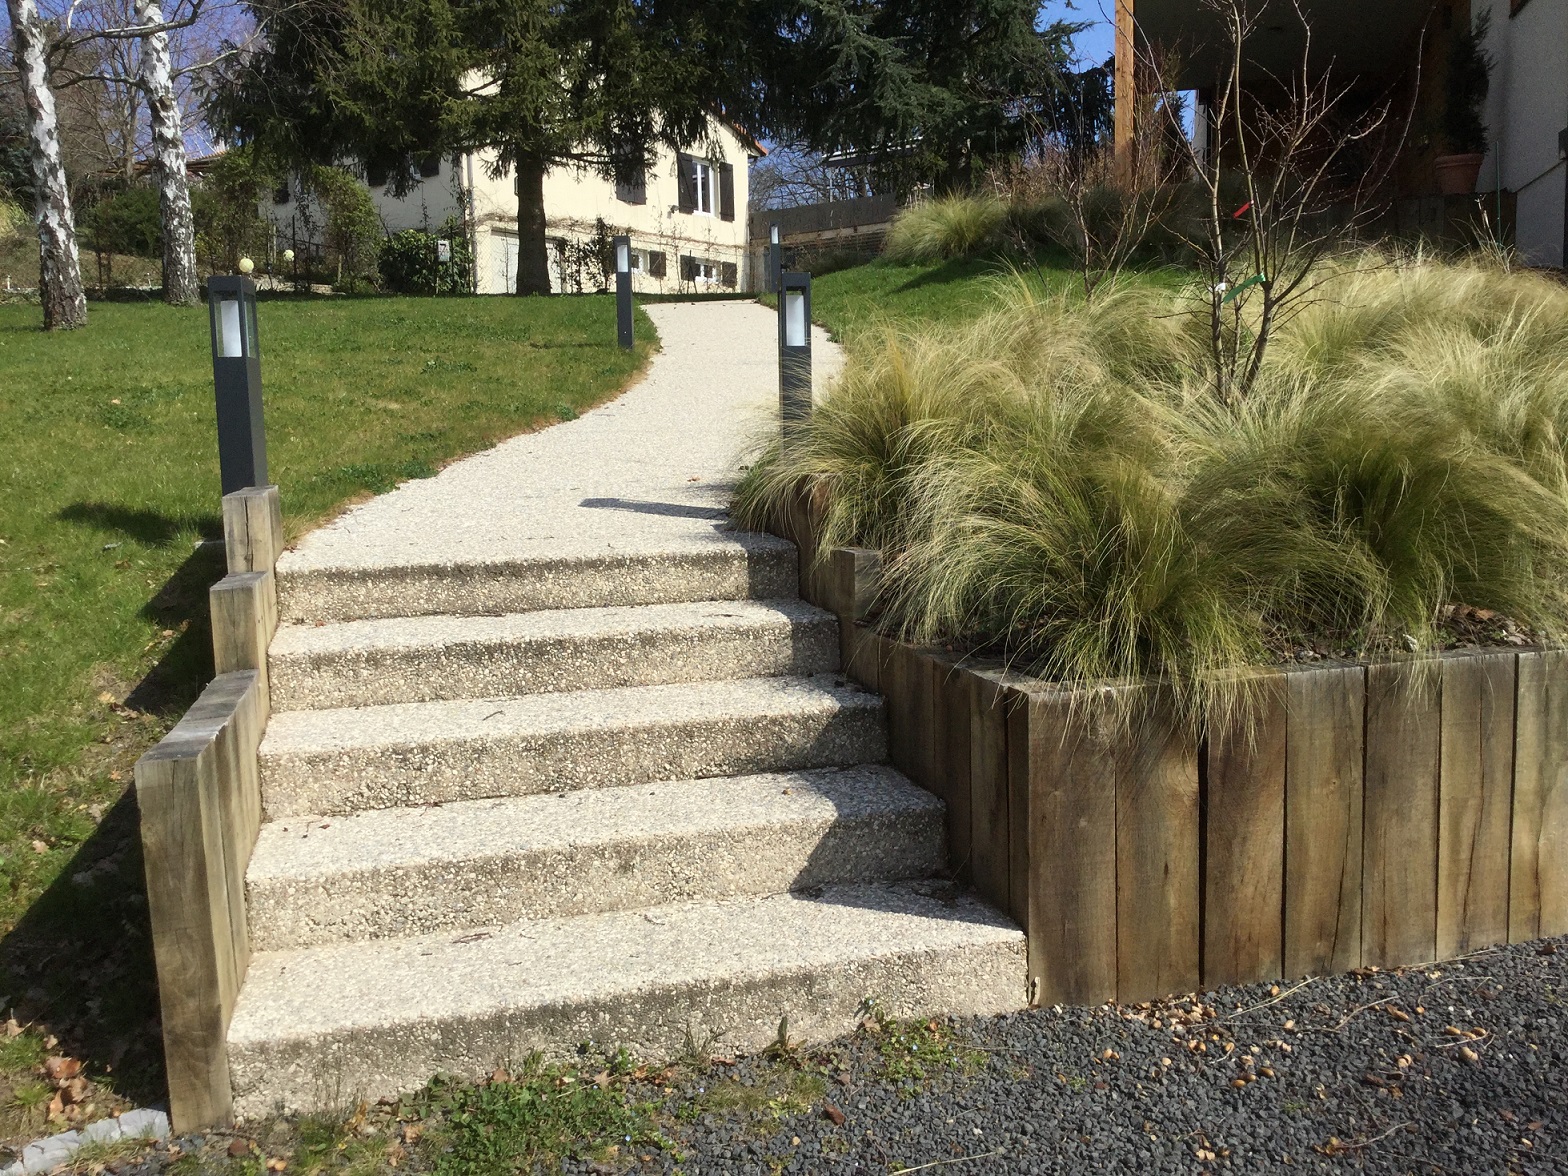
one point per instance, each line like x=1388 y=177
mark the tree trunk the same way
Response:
x=533 y=261
x=60 y=274
x=168 y=147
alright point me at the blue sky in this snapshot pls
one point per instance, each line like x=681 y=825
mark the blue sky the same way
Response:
x=1094 y=44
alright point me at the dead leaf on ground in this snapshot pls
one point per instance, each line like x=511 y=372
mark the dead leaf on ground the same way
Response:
x=62 y=1069
x=833 y=1114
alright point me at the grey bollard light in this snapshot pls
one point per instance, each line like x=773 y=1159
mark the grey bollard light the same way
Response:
x=775 y=258
x=794 y=348
x=236 y=381
x=623 y=291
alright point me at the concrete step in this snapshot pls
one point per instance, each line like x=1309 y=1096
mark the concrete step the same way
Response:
x=420 y=659
x=409 y=871
x=721 y=566
x=343 y=761
x=328 y=1026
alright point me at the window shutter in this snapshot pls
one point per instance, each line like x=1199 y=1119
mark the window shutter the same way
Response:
x=726 y=192
x=430 y=165
x=633 y=191
x=688 y=268
x=656 y=264
x=685 y=183
x=729 y=275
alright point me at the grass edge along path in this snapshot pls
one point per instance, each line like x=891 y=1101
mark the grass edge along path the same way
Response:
x=108 y=488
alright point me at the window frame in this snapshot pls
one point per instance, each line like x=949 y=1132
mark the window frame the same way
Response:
x=702 y=187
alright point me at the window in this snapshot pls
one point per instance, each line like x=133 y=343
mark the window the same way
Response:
x=699 y=270
x=656 y=264
x=634 y=191
x=377 y=175
x=430 y=165
x=280 y=194
x=695 y=184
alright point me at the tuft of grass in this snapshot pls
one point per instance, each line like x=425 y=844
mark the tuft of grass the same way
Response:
x=1056 y=482
x=946 y=228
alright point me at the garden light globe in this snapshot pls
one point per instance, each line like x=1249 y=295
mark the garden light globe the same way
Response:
x=246 y=265
x=288 y=255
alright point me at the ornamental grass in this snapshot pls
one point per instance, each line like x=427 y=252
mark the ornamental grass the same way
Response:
x=1058 y=483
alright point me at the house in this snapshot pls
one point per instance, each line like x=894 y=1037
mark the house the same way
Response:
x=686 y=217
x=1379 y=46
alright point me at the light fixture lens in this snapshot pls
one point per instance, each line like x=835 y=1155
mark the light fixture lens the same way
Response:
x=246 y=265
x=794 y=318
x=623 y=257
x=773 y=234
x=229 y=321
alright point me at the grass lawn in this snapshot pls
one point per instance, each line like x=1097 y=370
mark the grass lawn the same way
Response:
x=865 y=298
x=108 y=484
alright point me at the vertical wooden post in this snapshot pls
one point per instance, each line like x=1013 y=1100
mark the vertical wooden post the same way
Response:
x=990 y=839
x=1157 y=882
x=1475 y=802
x=1070 y=759
x=1244 y=831
x=1399 y=843
x=1323 y=819
x=1538 y=888
x=1125 y=89
x=950 y=754
x=253 y=529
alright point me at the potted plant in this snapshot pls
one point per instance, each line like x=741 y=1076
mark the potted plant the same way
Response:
x=1464 y=130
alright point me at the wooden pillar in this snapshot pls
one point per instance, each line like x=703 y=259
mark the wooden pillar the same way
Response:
x=1125 y=85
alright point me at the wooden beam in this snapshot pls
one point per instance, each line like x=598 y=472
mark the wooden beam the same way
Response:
x=1125 y=84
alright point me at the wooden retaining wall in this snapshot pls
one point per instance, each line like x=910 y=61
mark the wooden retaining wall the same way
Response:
x=1382 y=814
x=199 y=795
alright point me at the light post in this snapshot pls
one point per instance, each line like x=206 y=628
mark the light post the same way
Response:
x=794 y=348
x=236 y=381
x=775 y=258
x=623 y=291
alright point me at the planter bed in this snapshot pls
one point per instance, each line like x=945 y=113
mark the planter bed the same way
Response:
x=1382 y=814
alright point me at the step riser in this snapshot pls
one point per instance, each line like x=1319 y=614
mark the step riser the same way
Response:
x=493 y=589
x=375 y=677
x=388 y=777
x=334 y=1070
x=624 y=875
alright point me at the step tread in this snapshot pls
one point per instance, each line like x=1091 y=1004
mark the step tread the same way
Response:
x=421 y=724
x=530 y=628
x=387 y=986
x=315 y=847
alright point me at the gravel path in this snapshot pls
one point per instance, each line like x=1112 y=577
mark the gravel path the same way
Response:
x=1461 y=1067
x=650 y=471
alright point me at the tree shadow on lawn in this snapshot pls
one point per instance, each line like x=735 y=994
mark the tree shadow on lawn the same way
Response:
x=79 y=963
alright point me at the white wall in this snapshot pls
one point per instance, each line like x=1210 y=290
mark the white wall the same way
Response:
x=1526 y=108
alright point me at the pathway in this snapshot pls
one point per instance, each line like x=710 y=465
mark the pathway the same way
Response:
x=555 y=757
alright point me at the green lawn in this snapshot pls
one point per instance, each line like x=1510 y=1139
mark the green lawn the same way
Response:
x=865 y=298
x=108 y=483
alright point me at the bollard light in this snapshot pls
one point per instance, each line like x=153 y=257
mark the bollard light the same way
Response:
x=236 y=380
x=775 y=258
x=794 y=348
x=623 y=291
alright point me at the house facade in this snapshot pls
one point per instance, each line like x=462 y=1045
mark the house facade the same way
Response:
x=1380 y=47
x=687 y=218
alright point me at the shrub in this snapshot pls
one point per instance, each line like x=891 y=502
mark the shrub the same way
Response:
x=1058 y=483
x=128 y=221
x=946 y=228
x=409 y=262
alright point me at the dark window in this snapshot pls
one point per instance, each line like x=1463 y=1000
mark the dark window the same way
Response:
x=726 y=192
x=430 y=165
x=729 y=275
x=688 y=268
x=377 y=174
x=280 y=194
x=655 y=264
x=634 y=191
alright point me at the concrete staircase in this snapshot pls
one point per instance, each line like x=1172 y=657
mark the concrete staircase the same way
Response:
x=636 y=824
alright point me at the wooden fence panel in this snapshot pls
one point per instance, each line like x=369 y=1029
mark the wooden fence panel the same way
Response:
x=1244 y=846
x=990 y=818
x=1475 y=802
x=950 y=758
x=1069 y=761
x=1538 y=888
x=1323 y=819
x=1157 y=877
x=1399 y=895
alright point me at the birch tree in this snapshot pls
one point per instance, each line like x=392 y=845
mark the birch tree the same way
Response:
x=60 y=275
x=156 y=74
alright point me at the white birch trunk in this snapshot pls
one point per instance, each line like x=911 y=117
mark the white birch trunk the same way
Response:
x=60 y=275
x=156 y=76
